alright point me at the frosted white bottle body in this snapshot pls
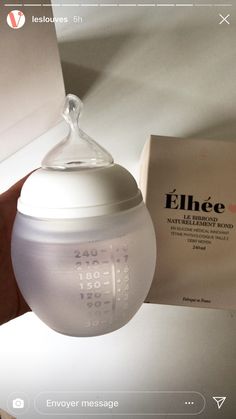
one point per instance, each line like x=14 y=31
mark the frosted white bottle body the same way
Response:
x=85 y=277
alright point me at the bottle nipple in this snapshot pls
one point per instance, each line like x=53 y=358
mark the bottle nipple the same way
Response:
x=77 y=150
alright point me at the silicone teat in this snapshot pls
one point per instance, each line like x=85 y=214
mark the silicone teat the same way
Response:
x=77 y=150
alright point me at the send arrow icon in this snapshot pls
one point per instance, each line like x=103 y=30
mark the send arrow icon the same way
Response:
x=220 y=401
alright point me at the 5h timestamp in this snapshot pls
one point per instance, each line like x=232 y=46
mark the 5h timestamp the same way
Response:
x=77 y=19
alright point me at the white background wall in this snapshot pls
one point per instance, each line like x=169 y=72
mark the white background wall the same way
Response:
x=140 y=71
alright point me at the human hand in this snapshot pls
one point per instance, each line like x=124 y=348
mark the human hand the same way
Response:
x=12 y=303
x=5 y=415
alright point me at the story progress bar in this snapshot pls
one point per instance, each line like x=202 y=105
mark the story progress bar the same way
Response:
x=119 y=5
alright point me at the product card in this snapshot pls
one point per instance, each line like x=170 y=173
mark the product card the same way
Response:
x=190 y=190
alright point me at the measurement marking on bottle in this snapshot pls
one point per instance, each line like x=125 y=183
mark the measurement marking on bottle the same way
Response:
x=113 y=283
x=107 y=284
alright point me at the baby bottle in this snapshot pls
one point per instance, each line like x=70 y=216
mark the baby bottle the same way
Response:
x=83 y=243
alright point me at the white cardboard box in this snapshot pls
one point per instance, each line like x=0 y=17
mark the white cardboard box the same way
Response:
x=190 y=190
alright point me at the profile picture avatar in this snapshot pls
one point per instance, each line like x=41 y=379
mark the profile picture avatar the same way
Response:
x=18 y=403
x=16 y=19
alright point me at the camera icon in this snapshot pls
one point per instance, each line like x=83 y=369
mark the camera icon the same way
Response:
x=18 y=403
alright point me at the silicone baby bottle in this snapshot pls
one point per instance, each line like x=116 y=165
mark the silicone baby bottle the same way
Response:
x=83 y=243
